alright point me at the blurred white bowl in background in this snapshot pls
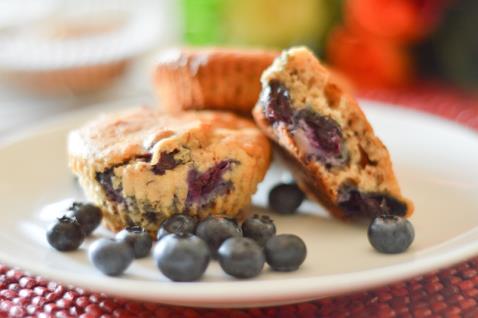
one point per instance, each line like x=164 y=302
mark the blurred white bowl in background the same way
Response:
x=81 y=45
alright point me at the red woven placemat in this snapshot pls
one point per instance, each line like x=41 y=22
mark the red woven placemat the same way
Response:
x=451 y=292
x=442 y=101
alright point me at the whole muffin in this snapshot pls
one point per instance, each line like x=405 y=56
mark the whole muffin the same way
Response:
x=329 y=144
x=141 y=166
x=210 y=78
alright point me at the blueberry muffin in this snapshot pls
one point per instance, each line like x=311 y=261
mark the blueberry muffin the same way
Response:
x=326 y=139
x=210 y=78
x=141 y=166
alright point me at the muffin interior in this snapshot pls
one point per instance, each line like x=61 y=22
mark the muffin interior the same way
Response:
x=314 y=119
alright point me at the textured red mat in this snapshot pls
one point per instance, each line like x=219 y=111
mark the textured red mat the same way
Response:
x=451 y=292
x=442 y=101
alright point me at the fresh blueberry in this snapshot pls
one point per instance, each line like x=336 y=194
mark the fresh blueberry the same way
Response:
x=111 y=257
x=285 y=252
x=65 y=234
x=182 y=257
x=241 y=257
x=390 y=234
x=215 y=230
x=138 y=239
x=88 y=215
x=285 y=198
x=260 y=228
x=178 y=223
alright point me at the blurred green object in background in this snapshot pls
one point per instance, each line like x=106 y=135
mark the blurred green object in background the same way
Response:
x=274 y=23
x=264 y=23
x=203 y=21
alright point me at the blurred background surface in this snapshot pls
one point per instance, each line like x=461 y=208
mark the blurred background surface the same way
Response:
x=58 y=55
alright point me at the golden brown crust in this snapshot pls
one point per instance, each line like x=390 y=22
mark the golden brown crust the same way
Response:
x=210 y=78
x=312 y=87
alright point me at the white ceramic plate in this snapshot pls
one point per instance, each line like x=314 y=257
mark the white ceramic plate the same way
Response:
x=436 y=162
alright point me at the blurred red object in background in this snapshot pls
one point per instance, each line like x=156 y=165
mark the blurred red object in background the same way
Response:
x=398 y=20
x=372 y=47
x=368 y=61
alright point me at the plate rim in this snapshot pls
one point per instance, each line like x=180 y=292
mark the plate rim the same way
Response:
x=269 y=296
x=304 y=288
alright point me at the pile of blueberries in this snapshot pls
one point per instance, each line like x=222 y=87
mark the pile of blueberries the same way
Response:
x=186 y=245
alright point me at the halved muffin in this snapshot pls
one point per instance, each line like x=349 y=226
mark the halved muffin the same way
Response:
x=326 y=138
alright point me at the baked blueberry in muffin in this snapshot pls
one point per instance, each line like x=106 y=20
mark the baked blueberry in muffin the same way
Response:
x=326 y=138
x=141 y=166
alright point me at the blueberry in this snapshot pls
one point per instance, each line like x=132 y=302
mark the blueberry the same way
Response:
x=178 y=223
x=182 y=257
x=65 y=234
x=204 y=187
x=215 y=230
x=166 y=162
x=138 y=239
x=320 y=137
x=241 y=257
x=285 y=252
x=111 y=257
x=354 y=202
x=390 y=234
x=88 y=215
x=285 y=198
x=105 y=179
x=276 y=102
x=260 y=228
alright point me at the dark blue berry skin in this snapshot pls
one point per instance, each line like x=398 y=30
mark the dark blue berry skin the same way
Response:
x=178 y=223
x=390 y=234
x=285 y=198
x=65 y=234
x=260 y=228
x=182 y=258
x=88 y=215
x=215 y=230
x=139 y=240
x=111 y=257
x=285 y=252
x=241 y=257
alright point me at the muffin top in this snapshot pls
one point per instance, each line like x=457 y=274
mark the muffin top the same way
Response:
x=112 y=139
x=194 y=58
